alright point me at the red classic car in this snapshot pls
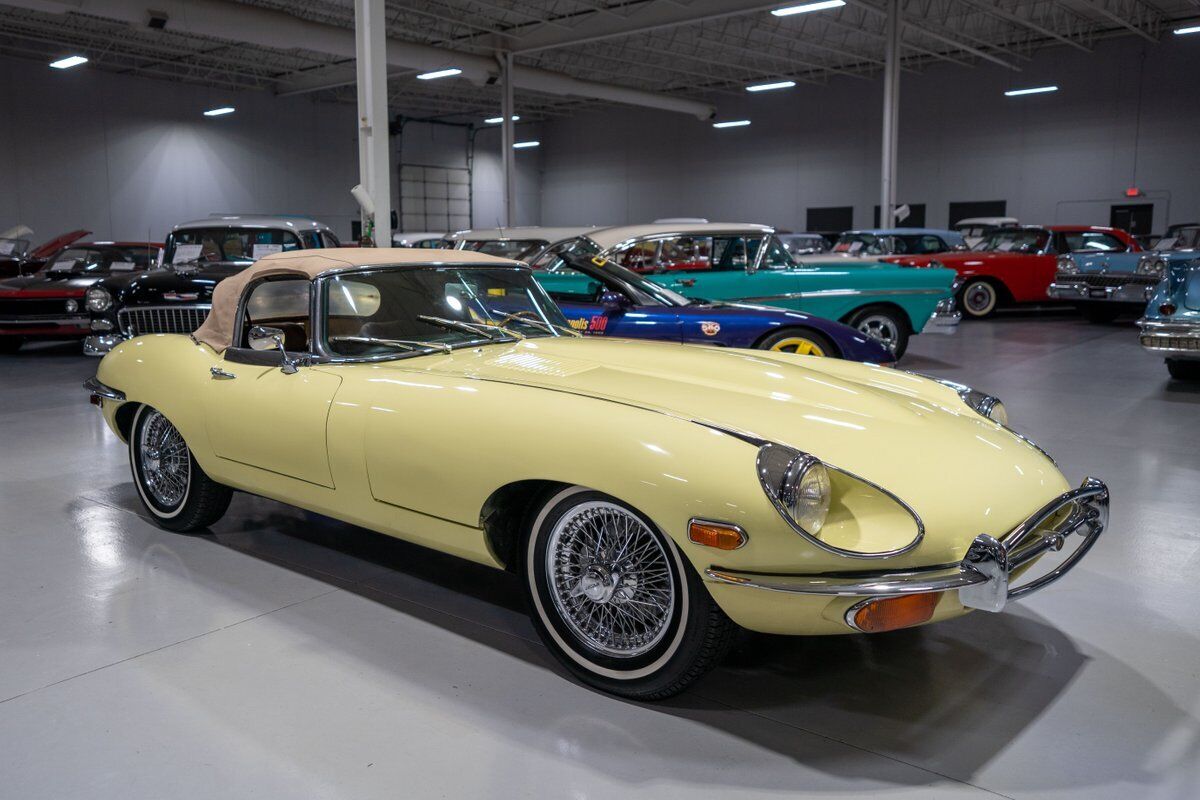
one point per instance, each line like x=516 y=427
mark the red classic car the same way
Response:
x=51 y=303
x=1017 y=265
x=16 y=259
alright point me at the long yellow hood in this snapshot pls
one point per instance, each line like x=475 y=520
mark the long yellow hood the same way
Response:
x=913 y=436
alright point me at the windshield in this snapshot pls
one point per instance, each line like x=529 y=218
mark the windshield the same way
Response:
x=93 y=260
x=223 y=243
x=802 y=243
x=553 y=257
x=380 y=311
x=870 y=244
x=14 y=248
x=1018 y=240
x=516 y=249
x=1184 y=239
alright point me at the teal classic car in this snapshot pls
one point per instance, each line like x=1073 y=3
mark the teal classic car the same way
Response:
x=1171 y=325
x=748 y=263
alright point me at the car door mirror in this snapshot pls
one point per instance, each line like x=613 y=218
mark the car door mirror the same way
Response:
x=613 y=302
x=263 y=338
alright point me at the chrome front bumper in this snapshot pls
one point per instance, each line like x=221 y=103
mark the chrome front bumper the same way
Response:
x=1172 y=339
x=944 y=319
x=1102 y=288
x=982 y=578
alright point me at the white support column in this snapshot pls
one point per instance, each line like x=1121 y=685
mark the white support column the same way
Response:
x=891 y=114
x=374 y=158
x=507 y=139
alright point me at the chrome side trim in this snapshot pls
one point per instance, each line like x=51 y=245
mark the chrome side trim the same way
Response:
x=840 y=293
x=982 y=578
x=99 y=389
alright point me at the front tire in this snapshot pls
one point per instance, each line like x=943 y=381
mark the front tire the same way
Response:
x=884 y=324
x=614 y=600
x=801 y=341
x=1183 y=370
x=978 y=298
x=178 y=494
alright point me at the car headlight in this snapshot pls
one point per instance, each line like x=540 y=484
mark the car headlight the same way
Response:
x=98 y=299
x=797 y=485
x=1152 y=265
x=981 y=403
x=833 y=509
x=1066 y=265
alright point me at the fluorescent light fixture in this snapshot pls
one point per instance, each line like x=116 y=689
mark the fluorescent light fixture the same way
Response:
x=733 y=123
x=804 y=8
x=219 y=112
x=1034 y=90
x=767 y=87
x=68 y=62
x=1178 y=31
x=523 y=145
x=441 y=73
x=498 y=120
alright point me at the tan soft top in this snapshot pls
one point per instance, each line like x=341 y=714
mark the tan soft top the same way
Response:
x=217 y=331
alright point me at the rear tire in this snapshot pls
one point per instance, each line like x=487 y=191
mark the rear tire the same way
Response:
x=978 y=298
x=10 y=344
x=1183 y=370
x=801 y=341
x=1099 y=312
x=615 y=602
x=884 y=324
x=178 y=494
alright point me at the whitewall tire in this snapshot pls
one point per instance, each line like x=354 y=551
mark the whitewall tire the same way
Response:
x=176 y=492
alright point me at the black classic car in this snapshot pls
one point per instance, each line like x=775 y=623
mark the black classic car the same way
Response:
x=51 y=304
x=177 y=297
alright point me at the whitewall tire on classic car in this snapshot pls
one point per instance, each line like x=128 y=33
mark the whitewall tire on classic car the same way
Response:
x=978 y=298
x=614 y=600
x=172 y=486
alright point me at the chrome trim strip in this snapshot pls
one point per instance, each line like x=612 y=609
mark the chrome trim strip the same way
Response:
x=77 y=322
x=982 y=578
x=841 y=293
x=99 y=389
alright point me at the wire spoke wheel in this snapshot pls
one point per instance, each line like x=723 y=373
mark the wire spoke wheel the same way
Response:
x=610 y=579
x=165 y=462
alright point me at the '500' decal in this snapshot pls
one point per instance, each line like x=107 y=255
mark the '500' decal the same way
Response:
x=596 y=324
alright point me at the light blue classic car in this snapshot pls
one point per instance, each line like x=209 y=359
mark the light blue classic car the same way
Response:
x=1171 y=325
x=1104 y=284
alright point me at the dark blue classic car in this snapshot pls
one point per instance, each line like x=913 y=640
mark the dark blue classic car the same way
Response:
x=602 y=298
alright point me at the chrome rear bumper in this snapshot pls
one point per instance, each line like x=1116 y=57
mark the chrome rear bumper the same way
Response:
x=1102 y=288
x=982 y=578
x=1172 y=339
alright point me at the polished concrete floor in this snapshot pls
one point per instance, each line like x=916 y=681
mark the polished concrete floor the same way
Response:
x=286 y=655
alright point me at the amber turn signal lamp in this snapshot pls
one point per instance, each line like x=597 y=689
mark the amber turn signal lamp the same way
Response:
x=890 y=613
x=716 y=534
x=1167 y=309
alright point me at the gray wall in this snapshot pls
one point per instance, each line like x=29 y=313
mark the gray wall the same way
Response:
x=1063 y=157
x=128 y=157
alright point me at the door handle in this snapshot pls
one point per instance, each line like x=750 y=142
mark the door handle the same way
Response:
x=220 y=374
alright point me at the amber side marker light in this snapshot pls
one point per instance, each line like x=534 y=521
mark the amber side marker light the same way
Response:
x=891 y=613
x=715 y=534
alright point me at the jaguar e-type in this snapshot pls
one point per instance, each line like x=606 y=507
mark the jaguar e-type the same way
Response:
x=652 y=496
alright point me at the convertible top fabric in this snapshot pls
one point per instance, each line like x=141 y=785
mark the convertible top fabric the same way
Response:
x=217 y=331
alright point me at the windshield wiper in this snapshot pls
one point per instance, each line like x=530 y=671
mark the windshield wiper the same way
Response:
x=470 y=327
x=405 y=343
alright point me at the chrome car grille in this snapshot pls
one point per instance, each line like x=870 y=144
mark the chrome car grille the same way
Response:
x=1112 y=280
x=1170 y=342
x=161 y=319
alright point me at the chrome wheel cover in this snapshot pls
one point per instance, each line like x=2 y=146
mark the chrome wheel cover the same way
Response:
x=164 y=461
x=611 y=579
x=881 y=328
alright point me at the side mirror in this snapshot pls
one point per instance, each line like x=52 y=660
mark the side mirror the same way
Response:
x=613 y=301
x=263 y=338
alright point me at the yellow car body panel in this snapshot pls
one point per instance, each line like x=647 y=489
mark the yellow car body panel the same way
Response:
x=414 y=447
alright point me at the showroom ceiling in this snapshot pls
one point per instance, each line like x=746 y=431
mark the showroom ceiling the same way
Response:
x=702 y=49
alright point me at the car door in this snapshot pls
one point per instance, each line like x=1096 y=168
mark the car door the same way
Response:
x=728 y=278
x=260 y=414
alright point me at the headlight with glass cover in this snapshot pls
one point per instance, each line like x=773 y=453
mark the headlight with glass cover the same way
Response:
x=835 y=510
x=1153 y=265
x=1066 y=265
x=98 y=299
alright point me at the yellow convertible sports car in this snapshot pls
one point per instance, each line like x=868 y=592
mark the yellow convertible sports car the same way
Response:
x=652 y=496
